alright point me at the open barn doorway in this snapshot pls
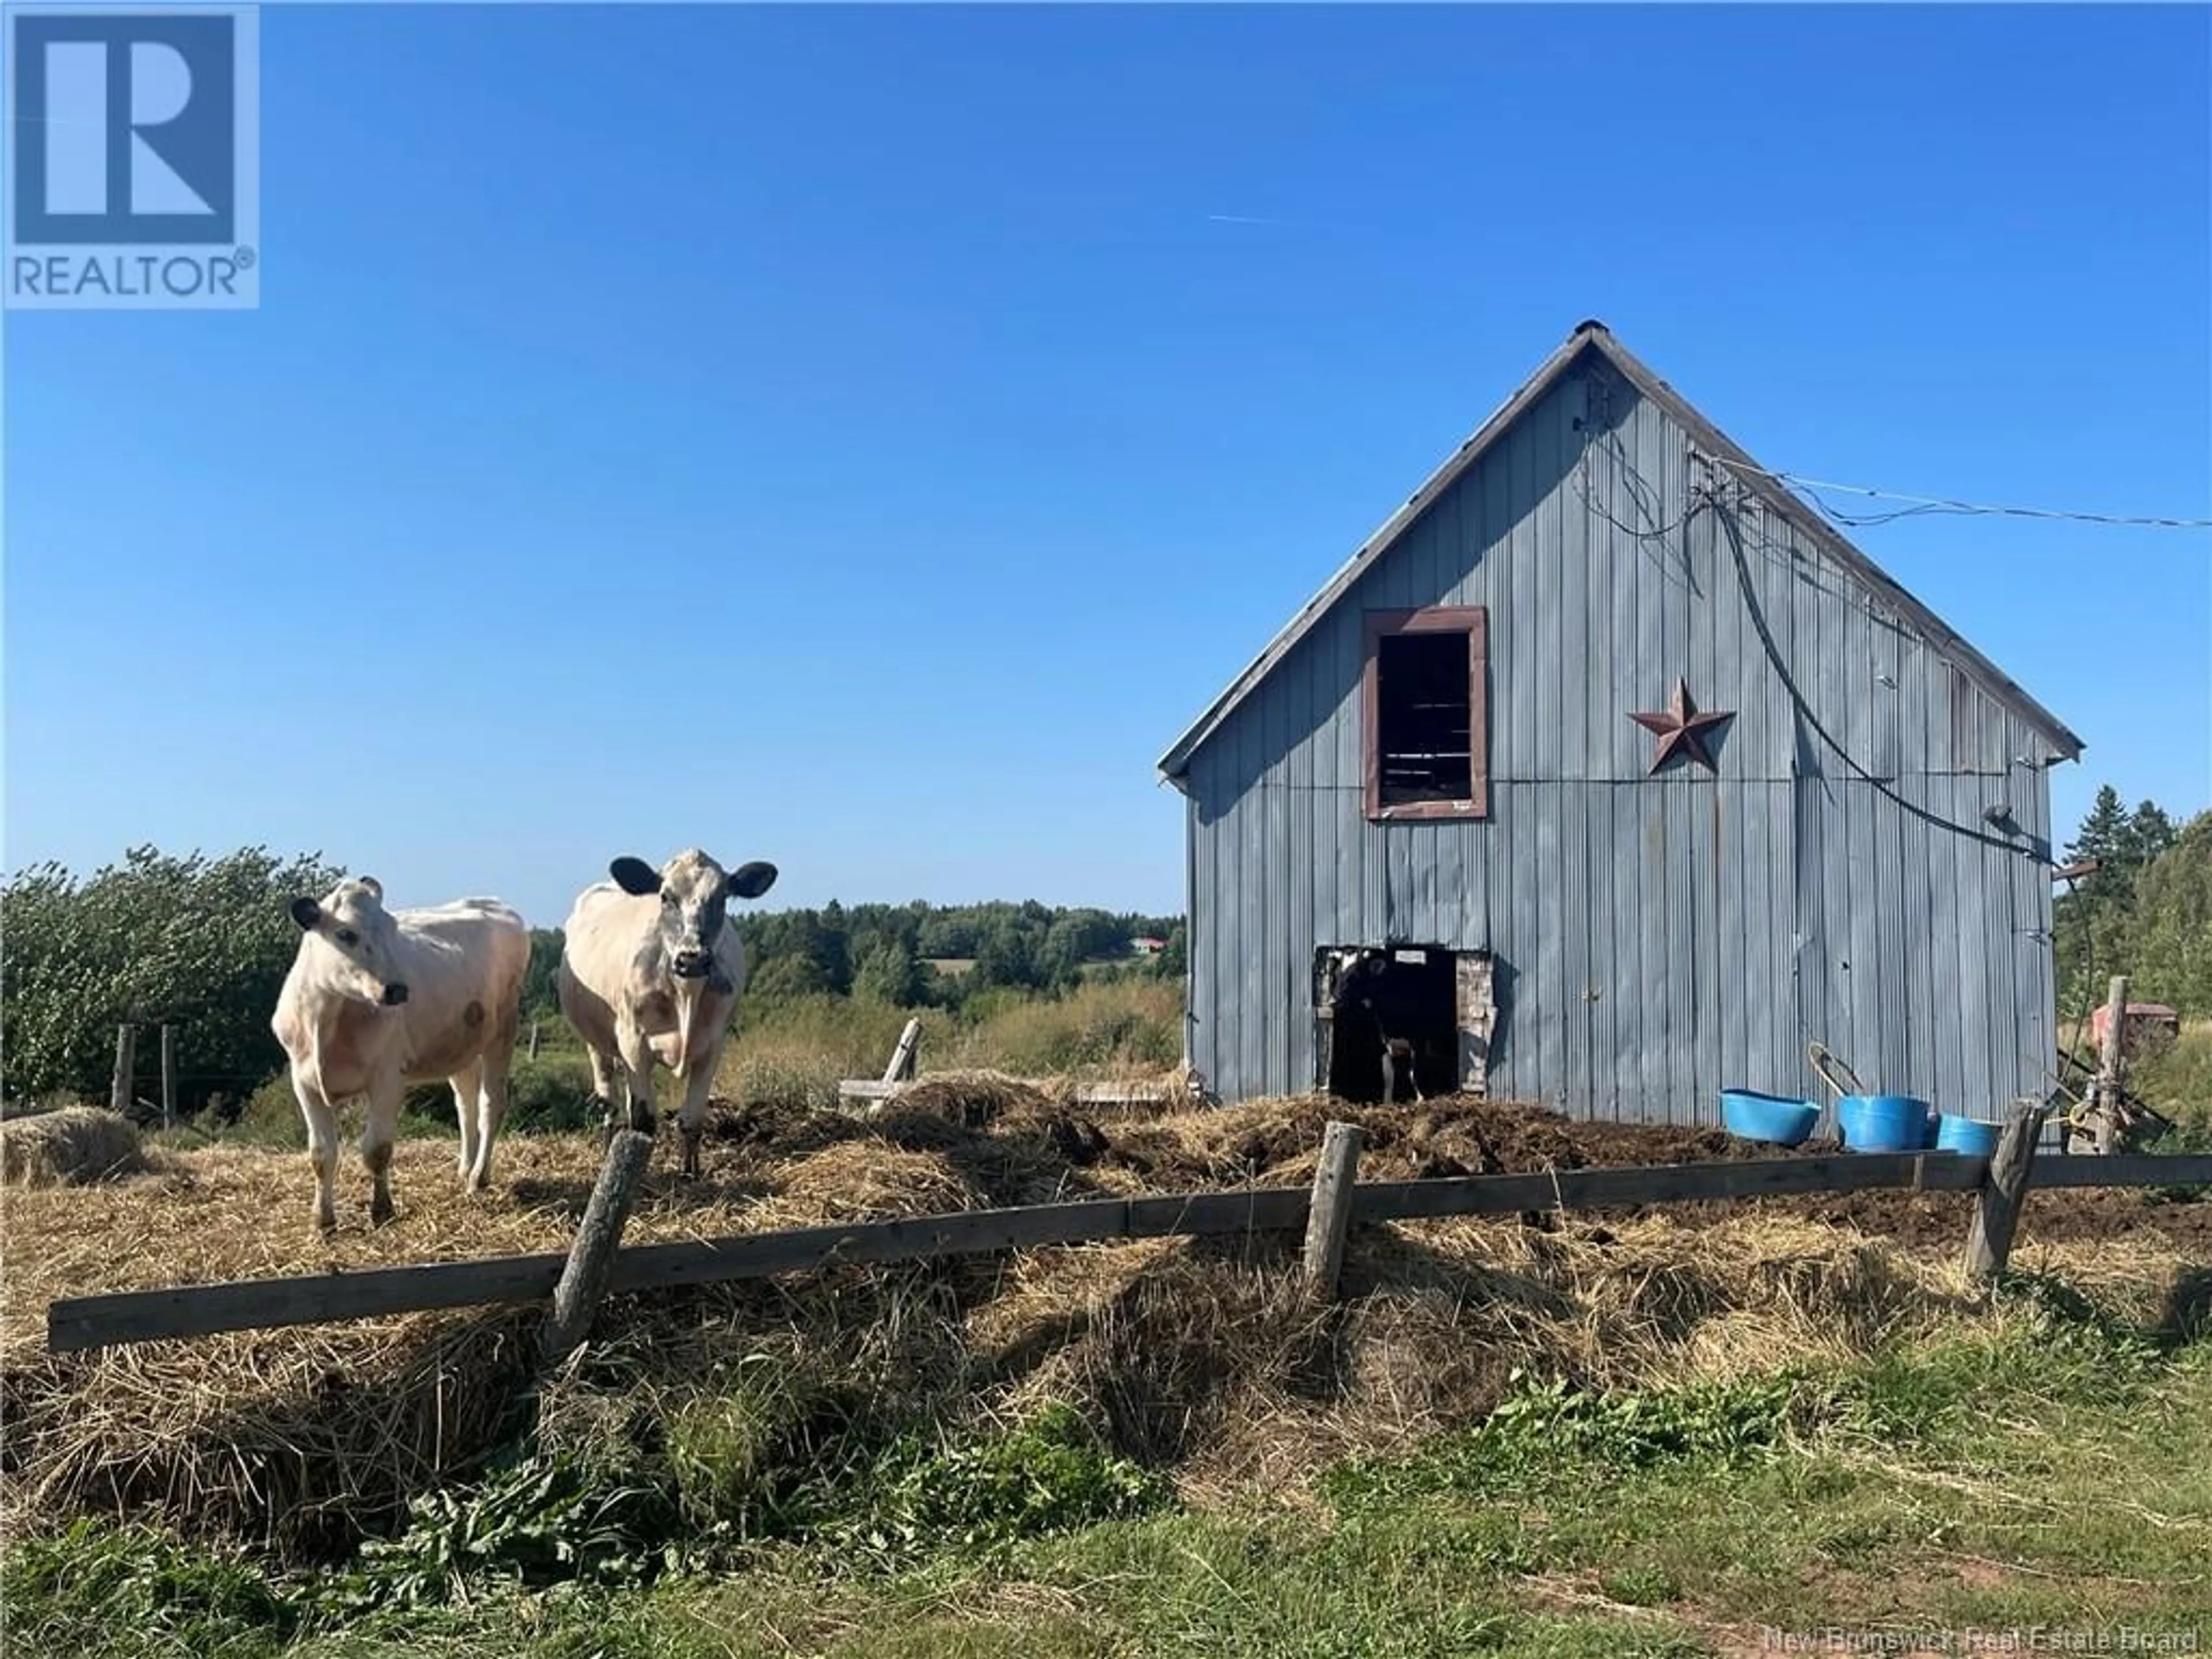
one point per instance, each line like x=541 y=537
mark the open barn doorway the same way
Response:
x=1391 y=1023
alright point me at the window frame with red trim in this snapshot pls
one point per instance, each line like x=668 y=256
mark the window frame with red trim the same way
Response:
x=1388 y=797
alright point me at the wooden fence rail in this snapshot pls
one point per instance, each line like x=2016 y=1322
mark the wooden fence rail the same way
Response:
x=187 y=1310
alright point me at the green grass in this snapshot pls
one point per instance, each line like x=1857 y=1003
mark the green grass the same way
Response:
x=2052 y=1474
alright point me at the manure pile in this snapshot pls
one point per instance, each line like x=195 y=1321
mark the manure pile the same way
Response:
x=1202 y=1356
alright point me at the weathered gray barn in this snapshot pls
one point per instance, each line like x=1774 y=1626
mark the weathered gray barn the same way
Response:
x=1457 y=768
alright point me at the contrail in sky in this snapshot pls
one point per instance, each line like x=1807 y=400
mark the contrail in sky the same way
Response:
x=1248 y=219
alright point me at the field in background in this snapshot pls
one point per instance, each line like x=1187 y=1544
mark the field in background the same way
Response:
x=793 y=1052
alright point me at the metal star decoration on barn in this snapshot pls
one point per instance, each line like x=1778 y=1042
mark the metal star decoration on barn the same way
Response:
x=1679 y=725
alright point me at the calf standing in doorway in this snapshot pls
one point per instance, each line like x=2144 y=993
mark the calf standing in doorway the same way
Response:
x=378 y=999
x=650 y=974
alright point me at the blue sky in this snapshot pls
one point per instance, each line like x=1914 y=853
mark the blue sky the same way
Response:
x=850 y=437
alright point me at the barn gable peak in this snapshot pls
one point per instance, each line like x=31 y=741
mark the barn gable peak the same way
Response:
x=1591 y=337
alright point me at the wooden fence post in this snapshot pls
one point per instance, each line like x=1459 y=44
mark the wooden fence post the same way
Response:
x=534 y=1039
x=903 y=1056
x=2110 y=1063
x=168 y=1077
x=1329 y=1217
x=584 y=1281
x=1997 y=1213
x=119 y=1090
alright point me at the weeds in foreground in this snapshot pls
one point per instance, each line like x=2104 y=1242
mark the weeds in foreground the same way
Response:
x=1569 y=1522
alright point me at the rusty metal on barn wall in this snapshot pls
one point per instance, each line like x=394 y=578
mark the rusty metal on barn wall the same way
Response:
x=1655 y=939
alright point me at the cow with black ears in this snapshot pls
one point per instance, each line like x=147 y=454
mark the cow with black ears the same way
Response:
x=651 y=972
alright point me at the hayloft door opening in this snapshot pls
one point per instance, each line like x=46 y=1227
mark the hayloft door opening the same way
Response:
x=1388 y=1023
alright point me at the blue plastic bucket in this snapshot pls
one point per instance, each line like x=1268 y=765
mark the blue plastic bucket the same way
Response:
x=1968 y=1135
x=1884 y=1123
x=1755 y=1116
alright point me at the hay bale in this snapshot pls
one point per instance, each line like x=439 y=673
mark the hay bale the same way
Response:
x=972 y=1099
x=68 y=1147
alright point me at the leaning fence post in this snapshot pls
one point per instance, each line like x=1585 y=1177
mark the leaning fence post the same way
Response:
x=584 y=1281
x=1328 y=1218
x=534 y=1039
x=119 y=1088
x=902 y=1057
x=1997 y=1211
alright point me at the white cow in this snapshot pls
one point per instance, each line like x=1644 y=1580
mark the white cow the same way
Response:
x=380 y=998
x=651 y=973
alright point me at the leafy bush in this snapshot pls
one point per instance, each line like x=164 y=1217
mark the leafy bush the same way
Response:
x=550 y=1095
x=1548 y=1432
x=270 y=1117
x=538 y=1521
x=203 y=945
x=1052 y=1474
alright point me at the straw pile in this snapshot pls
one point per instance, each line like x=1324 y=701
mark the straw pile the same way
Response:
x=68 y=1146
x=1201 y=1355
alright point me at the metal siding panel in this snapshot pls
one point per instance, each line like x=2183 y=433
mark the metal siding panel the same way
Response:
x=1496 y=501
x=1351 y=896
x=1889 y=901
x=1581 y=669
x=1851 y=718
x=1763 y=1032
x=1542 y=570
x=1734 y=990
x=1924 y=1010
x=1579 y=1056
x=1251 y=906
x=1655 y=1004
x=1972 y=992
x=1501 y=907
x=1624 y=744
x=1808 y=836
x=1705 y=813
x=1294 y=967
x=1549 y=800
x=1200 y=929
x=1398 y=880
x=1861 y=891
x=1778 y=574
x=1943 y=757
x=1266 y=1011
x=1911 y=717
x=1746 y=990
x=1883 y=698
x=1946 y=912
x=1786 y=1052
x=1523 y=645
x=1997 y=1060
x=2040 y=1036
x=1623 y=939
x=1601 y=965
x=1679 y=946
x=1320 y=810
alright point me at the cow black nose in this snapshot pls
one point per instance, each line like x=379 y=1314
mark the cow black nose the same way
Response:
x=394 y=995
x=690 y=964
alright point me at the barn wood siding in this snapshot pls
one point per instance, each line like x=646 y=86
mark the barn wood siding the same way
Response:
x=1658 y=938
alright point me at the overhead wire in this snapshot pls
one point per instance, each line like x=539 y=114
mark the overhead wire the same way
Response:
x=1921 y=505
x=1727 y=520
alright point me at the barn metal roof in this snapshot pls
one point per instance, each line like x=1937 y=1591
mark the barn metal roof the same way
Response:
x=1593 y=335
